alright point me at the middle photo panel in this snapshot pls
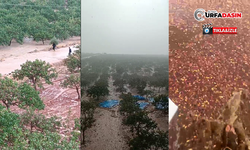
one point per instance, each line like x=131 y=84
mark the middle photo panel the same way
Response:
x=124 y=74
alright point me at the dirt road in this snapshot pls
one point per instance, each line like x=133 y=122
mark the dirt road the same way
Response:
x=13 y=56
x=107 y=134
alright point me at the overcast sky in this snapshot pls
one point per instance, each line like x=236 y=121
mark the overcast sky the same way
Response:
x=124 y=26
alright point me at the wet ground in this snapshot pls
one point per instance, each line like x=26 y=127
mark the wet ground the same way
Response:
x=108 y=132
x=58 y=101
x=11 y=57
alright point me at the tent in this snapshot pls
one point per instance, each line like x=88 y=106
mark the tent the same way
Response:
x=139 y=97
x=142 y=105
x=109 y=103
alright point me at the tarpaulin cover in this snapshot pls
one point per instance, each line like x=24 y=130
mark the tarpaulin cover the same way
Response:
x=151 y=100
x=109 y=103
x=161 y=106
x=158 y=105
x=142 y=105
x=139 y=97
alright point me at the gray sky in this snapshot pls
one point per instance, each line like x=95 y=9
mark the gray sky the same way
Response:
x=124 y=26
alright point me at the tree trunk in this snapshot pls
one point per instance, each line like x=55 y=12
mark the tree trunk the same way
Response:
x=10 y=42
x=34 y=86
x=34 y=83
x=82 y=139
x=77 y=90
x=6 y=104
x=43 y=42
x=8 y=107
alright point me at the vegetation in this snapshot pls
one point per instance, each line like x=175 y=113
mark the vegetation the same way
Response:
x=144 y=129
x=87 y=117
x=31 y=129
x=22 y=95
x=143 y=75
x=35 y=71
x=41 y=20
x=162 y=101
x=54 y=40
x=73 y=64
x=73 y=81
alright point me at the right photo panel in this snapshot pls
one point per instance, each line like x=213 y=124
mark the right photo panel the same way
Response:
x=209 y=75
x=124 y=67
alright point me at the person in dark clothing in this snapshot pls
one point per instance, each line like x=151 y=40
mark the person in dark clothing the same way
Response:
x=70 y=51
x=54 y=46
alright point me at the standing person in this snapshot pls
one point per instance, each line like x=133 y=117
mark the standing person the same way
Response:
x=70 y=51
x=54 y=46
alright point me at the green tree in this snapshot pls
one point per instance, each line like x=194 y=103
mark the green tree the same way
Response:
x=10 y=132
x=87 y=118
x=162 y=101
x=9 y=92
x=40 y=29
x=12 y=26
x=144 y=129
x=73 y=62
x=97 y=91
x=35 y=71
x=147 y=93
x=38 y=122
x=61 y=29
x=54 y=40
x=21 y=95
x=128 y=105
x=73 y=81
x=29 y=97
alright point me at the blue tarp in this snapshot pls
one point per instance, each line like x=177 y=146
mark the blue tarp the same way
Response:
x=142 y=105
x=151 y=100
x=109 y=103
x=160 y=106
x=139 y=97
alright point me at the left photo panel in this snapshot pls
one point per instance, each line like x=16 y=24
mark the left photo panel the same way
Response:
x=40 y=74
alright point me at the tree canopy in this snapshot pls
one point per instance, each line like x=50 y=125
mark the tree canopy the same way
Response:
x=35 y=71
x=41 y=20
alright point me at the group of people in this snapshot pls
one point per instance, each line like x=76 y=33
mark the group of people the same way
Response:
x=54 y=48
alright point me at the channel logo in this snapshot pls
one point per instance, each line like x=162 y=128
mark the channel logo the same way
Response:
x=209 y=29
x=225 y=30
x=200 y=14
